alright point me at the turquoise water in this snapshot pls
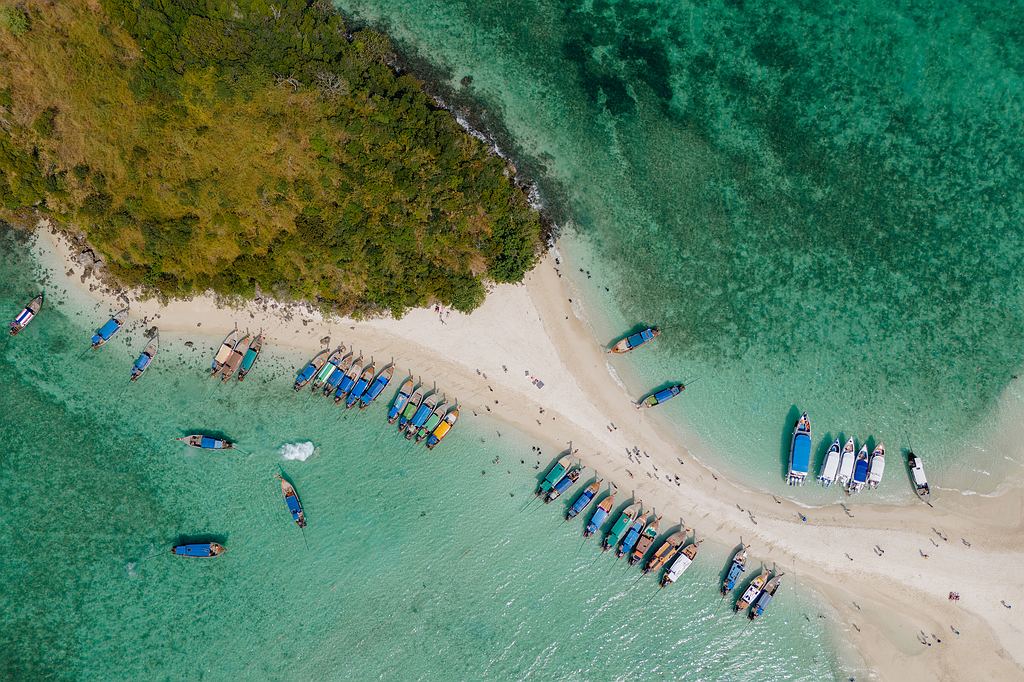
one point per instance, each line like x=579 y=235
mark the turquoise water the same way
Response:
x=419 y=565
x=822 y=208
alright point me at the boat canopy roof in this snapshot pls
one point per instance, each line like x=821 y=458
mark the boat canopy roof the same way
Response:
x=197 y=549
x=861 y=472
x=211 y=443
x=634 y=340
x=293 y=504
x=666 y=393
x=143 y=361
x=107 y=330
x=801 y=453
x=918 y=473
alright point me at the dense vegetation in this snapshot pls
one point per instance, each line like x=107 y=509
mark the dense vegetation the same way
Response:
x=244 y=144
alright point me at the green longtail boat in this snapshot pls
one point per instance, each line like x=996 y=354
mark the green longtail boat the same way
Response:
x=432 y=421
x=624 y=521
x=410 y=409
x=557 y=471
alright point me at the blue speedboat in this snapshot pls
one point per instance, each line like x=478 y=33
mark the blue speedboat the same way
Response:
x=584 y=500
x=310 y=370
x=632 y=535
x=635 y=340
x=860 y=471
x=112 y=326
x=604 y=508
x=377 y=387
x=145 y=358
x=739 y=565
x=198 y=550
x=800 y=451
x=562 y=485
x=662 y=396
x=360 y=386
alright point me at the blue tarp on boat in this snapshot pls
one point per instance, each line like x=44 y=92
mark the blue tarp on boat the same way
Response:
x=801 y=454
x=211 y=443
x=581 y=502
x=306 y=374
x=666 y=393
x=202 y=549
x=143 y=362
x=860 y=474
x=107 y=330
x=357 y=392
x=596 y=520
x=375 y=389
x=734 y=573
x=293 y=505
x=762 y=603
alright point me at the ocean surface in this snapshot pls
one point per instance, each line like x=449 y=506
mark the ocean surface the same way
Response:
x=821 y=207
x=415 y=565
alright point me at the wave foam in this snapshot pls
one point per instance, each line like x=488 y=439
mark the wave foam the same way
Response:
x=298 y=452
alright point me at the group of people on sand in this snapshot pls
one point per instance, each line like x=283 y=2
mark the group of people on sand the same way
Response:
x=954 y=596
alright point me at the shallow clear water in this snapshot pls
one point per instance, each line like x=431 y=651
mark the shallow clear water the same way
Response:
x=418 y=566
x=821 y=208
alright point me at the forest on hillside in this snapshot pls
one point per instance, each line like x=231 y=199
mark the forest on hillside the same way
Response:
x=208 y=144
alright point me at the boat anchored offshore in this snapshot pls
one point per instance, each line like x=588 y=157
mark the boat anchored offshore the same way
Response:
x=601 y=512
x=198 y=440
x=433 y=421
x=554 y=475
x=750 y=594
x=645 y=541
x=621 y=524
x=766 y=596
x=307 y=373
x=666 y=550
x=404 y=393
x=291 y=498
x=584 y=499
x=634 y=341
x=662 y=396
x=682 y=562
x=145 y=358
x=917 y=473
x=738 y=567
x=251 y=354
x=224 y=352
x=377 y=387
x=876 y=467
x=26 y=315
x=361 y=385
x=800 y=451
x=198 y=550
x=632 y=535
x=831 y=467
x=111 y=327
x=846 y=463
x=234 y=360
x=860 y=471
x=443 y=429
x=563 y=484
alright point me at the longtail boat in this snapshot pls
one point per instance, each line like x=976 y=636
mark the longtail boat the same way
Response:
x=349 y=380
x=645 y=541
x=860 y=471
x=433 y=421
x=376 y=387
x=198 y=550
x=198 y=440
x=251 y=354
x=632 y=535
x=634 y=341
x=234 y=360
x=601 y=512
x=662 y=396
x=553 y=476
x=738 y=567
x=917 y=473
x=766 y=596
x=443 y=429
x=291 y=498
x=666 y=550
x=750 y=594
x=361 y=385
x=846 y=462
x=309 y=371
x=584 y=499
x=411 y=407
x=111 y=327
x=800 y=451
x=831 y=467
x=563 y=484
x=145 y=358
x=224 y=352
x=329 y=368
x=620 y=526
x=682 y=562
x=421 y=414
x=876 y=468
x=26 y=315
x=404 y=393
x=334 y=380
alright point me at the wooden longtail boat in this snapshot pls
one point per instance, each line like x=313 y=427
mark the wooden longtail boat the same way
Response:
x=846 y=462
x=917 y=473
x=662 y=396
x=831 y=467
x=234 y=360
x=111 y=327
x=800 y=451
x=199 y=550
x=360 y=386
x=329 y=368
x=632 y=535
x=411 y=407
x=860 y=471
x=601 y=512
x=145 y=358
x=554 y=475
x=766 y=596
x=338 y=376
x=738 y=567
x=620 y=526
x=404 y=393
x=251 y=355
x=876 y=467
x=563 y=484
x=666 y=550
x=645 y=541
x=584 y=499
x=634 y=341
x=224 y=352
x=291 y=498
x=307 y=373
x=422 y=412
x=682 y=562
x=376 y=387
x=198 y=440
x=348 y=381
x=443 y=429
x=26 y=315
x=750 y=594
x=433 y=421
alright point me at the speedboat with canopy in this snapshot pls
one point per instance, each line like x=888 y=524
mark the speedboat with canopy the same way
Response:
x=634 y=341
x=145 y=358
x=860 y=471
x=831 y=467
x=800 y=451
x=26 y=315
x=412 y=405
x=846 y=464
x=876 y=467
x=111 y=327
x=422 y=412
x=917 y=473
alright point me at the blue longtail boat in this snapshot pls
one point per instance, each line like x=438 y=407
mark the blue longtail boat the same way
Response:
x=634 y=341
x=198 y=550
x=662 y=396
x=251 y=354
x=584 y=499
x=360 y=386
x=291 y=499
x=330 y=367
x=404 y=393
x=562 y=485
x=620 y=526
x=348 y=381
x=632 y=535
x=336 y=377
x=26 y=315
x=739 y=566
x=425 y=409
x=554 y=474
x=145 y=358
x=604 y=508
x=112 y=326
x=766 y=596
x=411 y=407
x=198 y=440
x=307 y=373
x=377 y=387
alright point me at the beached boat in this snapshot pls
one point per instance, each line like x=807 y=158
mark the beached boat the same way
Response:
x=234 y=360
x=860 y=471
x=876 y=467
x=334 y=380
x=349 y=379
x=620 y=526
x=329 y=368
x=203 y=442
x=634 y=341
x=738 y=567
x=404 y=393
x=443 y=429
x=307 y=373
x=26 y=315
x=563 y=484
x=198 y=550
x=433 y=421
x=111 y=327
x=666 y=550
x=662 y=396
x=224 y=352
x=145 y=358
x=601 y=512
x=766 y=596
x=361 y=385
x=251 y=354
x=830 y=469
x=291 y=498
x=645 y=541
x=846 y=463
x=800 y=451
x=376 y=387
x=682 y=562
x=422 y=413
x=632 y=535
x=750 y=594
x=554 y=475
x=411 y=407
x=917 y=472
x=584 y=499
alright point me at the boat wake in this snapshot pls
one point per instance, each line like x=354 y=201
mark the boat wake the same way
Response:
x=298 y=452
